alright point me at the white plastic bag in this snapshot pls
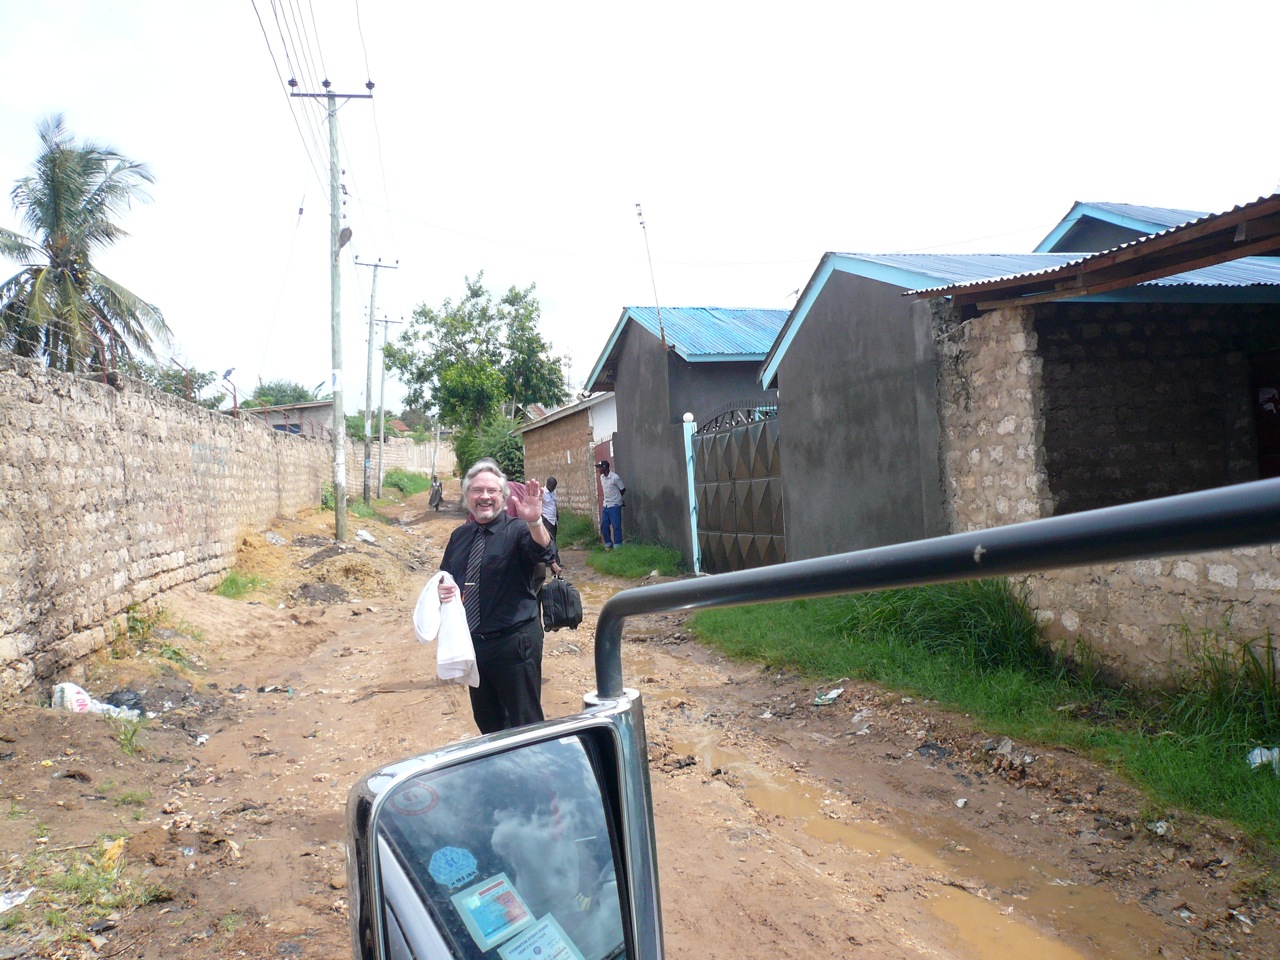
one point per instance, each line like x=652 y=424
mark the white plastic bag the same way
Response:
x=69 y=696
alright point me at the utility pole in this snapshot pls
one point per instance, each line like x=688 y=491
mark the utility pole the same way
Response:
x=338 y=237
x=382 y=404
x=368 y=384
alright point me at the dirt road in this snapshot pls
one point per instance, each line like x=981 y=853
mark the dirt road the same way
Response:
x=870 y=827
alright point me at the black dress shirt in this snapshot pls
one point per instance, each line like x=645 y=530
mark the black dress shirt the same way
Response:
x=511 y=557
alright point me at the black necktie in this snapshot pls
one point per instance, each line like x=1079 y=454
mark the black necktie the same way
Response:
x=471 y=588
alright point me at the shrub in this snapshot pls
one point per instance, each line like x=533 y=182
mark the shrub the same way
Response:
x=407 y=483
x=493 y=439
x=236 y=584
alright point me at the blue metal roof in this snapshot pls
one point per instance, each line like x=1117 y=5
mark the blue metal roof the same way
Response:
x=1159 y=217
x=1245 y=272
x=947 y=267
x=932 y=272
x=698 y=333
x=1129 y=215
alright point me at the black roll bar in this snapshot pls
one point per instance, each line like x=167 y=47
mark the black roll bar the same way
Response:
x=1243 y=515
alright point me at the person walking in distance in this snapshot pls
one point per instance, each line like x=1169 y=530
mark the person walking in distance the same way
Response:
x=495 y=559
x=551 y=517
x=611 y=512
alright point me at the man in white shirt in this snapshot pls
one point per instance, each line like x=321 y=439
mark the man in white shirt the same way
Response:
x=611 y=512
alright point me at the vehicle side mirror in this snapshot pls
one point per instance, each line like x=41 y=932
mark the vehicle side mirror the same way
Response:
x=531 y=844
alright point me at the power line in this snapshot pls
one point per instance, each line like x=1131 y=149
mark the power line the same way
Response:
x=300 y=68
x=292 y=113
x=319 y=52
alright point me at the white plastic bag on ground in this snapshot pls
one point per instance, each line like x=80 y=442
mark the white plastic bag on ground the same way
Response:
x=15 y=898
x=69 y=696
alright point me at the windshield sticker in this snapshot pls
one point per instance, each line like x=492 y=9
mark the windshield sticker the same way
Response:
x=492 y=911
x=452 y=867
x=414 y=800
x=545 y=940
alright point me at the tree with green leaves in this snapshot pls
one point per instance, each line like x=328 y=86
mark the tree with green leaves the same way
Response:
x=495 y=438
x=469 y=358
x=58 y=308
x=415 y=418
x=275 y=393
x=180 y=381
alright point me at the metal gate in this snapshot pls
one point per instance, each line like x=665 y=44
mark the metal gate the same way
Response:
x=737 y=477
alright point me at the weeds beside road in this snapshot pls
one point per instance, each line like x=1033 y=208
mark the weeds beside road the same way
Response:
x=877 y=824
x=974 y=648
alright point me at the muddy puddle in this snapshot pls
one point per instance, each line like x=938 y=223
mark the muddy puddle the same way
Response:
x=996 y=906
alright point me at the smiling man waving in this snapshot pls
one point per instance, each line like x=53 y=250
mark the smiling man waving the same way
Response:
x=495 y=559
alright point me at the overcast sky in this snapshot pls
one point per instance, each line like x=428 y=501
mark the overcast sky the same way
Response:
x=516 y=138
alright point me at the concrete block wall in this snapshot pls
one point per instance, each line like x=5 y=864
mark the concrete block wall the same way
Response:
x=562 y=449
x=1140 y=403
x=996 y=452
x=112 y=495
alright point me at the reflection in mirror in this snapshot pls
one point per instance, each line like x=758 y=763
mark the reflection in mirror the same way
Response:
x=507 y=856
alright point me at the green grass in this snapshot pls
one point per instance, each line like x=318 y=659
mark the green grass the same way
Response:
x=133 y=798
x=72 y=889
x=125 y=732
x=174 y=654
x=636 y=560
x=356 y=507
x=230 y=923
x=974 y=648
x=236 y=584
x=576 y=530
x=407 y=483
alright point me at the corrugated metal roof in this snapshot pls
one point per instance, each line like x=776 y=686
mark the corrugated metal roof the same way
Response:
x=586 y=403
x=1156 y=216
x=965 y=267
x=1242 y=272
x=1245 y=272
x=713 y=332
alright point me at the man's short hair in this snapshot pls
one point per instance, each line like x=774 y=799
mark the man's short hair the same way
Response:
x=486 y=465
x=551 y=483
x=603 y=465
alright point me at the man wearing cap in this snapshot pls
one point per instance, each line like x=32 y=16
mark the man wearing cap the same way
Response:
x=494 y=560
x=611 y=513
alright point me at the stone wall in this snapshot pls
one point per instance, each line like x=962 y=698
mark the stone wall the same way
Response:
x=993 y=457
x=1007 y=373
x=562 y=449
x=398 y=453
x=111 y=495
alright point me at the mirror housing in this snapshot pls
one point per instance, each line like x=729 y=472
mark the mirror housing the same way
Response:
x=431 y=837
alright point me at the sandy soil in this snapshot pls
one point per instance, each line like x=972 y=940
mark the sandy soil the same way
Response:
x=870 y=827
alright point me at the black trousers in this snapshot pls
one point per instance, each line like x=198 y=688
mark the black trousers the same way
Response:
x=510 y=691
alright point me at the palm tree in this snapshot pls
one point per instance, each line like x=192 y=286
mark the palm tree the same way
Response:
x=58 y=308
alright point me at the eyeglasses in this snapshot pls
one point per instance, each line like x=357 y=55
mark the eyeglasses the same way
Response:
x=491 y=491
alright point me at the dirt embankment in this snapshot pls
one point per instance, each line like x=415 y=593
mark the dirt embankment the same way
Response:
x=873 y=826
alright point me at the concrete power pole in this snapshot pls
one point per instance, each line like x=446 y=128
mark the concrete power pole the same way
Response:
x=382 y=405
x=368 y=387
x=338 y=237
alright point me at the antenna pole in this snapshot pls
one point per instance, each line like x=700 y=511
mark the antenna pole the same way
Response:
x=662 y=332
